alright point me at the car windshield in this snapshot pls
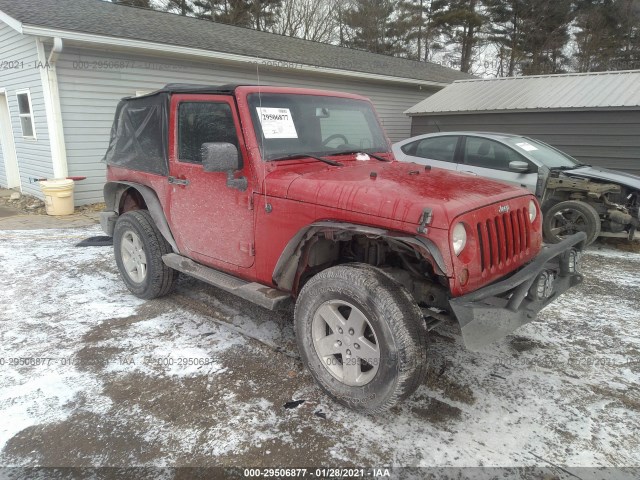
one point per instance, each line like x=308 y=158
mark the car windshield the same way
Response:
x=292 y=124
x=542 y=152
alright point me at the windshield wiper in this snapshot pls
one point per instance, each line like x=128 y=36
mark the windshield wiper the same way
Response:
x=351 y=152
x=570 y=167
x=294 y=156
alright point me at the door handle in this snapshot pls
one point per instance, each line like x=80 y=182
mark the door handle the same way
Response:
x=178 y=181
x=472 y=173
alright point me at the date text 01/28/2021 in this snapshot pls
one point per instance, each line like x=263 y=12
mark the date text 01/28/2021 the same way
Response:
x=316 y=472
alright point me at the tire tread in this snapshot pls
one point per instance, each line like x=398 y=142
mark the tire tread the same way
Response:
x=163 y=277
x=578 y=205
x=403 y=316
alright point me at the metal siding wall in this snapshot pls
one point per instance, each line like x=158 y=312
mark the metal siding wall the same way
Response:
x=89 y=94
x=608 y=139
x=3 y=173
x=34 y=156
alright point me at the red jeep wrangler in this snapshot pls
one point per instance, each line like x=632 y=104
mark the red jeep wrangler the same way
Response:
x=276 y=194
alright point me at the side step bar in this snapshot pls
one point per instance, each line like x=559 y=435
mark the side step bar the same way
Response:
x=257 y=293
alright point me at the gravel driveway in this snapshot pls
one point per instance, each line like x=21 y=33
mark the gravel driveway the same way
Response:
x=92 y=376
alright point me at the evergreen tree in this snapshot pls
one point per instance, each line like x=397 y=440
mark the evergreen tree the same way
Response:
x=531 y=37
x=546 y=27
x=264 y=13
x=461 y=22
x=608 y=35
x=232 y=12
x=421 y=33
x=627 y=54
x=369 y=25
x=183 y=7
x=506 y=30
x=135 y=3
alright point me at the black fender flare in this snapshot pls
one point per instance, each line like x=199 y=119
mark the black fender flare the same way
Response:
x=287 y=265
x=113 y=192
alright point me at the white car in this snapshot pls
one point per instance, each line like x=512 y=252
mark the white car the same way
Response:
x=573 y=196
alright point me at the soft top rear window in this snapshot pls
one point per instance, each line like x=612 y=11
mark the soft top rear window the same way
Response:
x=139 y=135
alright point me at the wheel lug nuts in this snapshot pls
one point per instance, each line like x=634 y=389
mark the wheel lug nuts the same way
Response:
x=338 y=343
x=348 y=352
x=356 y=346
x=351 y=332
x=340 y=331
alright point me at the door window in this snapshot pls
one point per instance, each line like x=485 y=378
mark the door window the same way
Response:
x=485 y=153
x=437 y=148
x=203 y=122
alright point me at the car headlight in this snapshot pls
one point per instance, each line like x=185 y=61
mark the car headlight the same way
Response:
x=533 y=211
x=459 y=238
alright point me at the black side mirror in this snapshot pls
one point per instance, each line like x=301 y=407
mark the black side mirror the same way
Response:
x=220 y=157
x=519 y=166
x=223 y=157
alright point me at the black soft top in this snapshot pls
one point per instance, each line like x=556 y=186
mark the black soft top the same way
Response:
x=139 y=135
x=170 y=88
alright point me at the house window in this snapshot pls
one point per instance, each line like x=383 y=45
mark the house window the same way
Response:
x=26 y=114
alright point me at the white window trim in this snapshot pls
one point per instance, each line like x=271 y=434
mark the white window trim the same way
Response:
x=30 y=115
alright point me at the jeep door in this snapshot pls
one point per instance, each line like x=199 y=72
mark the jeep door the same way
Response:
x=489 y=158
x=213 y=223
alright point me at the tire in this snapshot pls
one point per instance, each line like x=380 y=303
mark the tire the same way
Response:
x=142 y=269
x=393 y=326
x=566 y=218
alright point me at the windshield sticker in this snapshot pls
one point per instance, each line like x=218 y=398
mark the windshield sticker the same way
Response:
x=526 y=146
x=277 y=123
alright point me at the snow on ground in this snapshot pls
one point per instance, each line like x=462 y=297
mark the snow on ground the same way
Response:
x=90 y=375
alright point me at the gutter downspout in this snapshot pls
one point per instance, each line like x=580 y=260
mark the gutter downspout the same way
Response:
x=49 y=78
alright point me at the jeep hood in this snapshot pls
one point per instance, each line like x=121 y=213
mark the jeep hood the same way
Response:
x=395 y=190
x=606 y=175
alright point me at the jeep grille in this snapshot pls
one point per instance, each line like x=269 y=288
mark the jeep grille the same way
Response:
x=503 y=238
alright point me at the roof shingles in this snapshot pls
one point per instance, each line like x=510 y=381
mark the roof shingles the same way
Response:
x=104 y=18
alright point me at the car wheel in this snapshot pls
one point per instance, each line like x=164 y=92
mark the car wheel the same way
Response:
x=567 y=218
x=138 y=248
x=362 y=336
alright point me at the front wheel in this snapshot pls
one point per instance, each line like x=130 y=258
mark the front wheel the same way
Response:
x=567 y=218
x=362 y=336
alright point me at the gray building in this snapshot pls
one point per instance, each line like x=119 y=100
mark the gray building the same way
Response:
x=64 y=64
x=594 y=117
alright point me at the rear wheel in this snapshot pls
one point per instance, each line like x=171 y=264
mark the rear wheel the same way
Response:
x=138 y=248
x=362 y=336
x=567 y=218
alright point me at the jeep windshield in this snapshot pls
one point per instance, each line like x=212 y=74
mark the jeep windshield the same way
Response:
x=288 y=125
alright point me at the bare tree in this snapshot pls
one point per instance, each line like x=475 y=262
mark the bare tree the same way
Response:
x=309 y=19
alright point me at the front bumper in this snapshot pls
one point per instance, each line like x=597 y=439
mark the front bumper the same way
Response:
x=494 y=311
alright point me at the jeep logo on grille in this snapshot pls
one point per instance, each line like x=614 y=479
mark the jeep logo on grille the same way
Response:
x=503 y=209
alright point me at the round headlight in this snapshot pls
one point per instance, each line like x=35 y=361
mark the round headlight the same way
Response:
x=458 y=238
x=533 y=211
